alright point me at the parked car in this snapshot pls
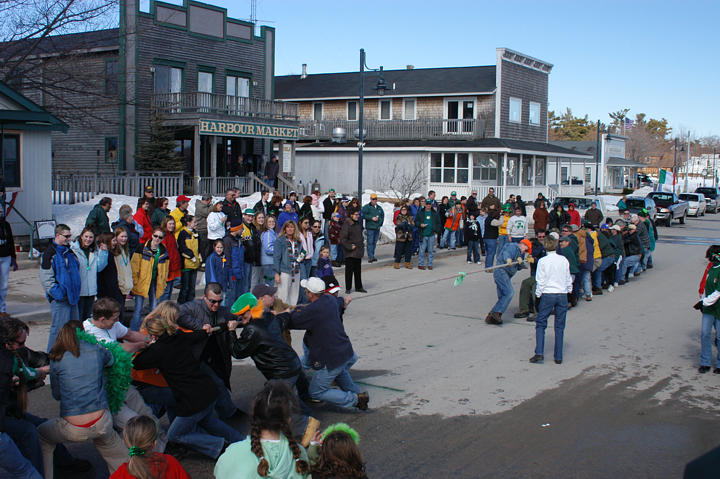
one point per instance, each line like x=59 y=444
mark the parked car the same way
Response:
x=582 y=203
x=636 y=203
x=711 y=197
x=696 y=203
x=669 y=207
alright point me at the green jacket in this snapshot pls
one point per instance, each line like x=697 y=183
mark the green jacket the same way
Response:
x=158 y=216
x=606 y=247
x=433 y=228
x=651 y=232
x=571 y=253
x=712 y=285
x=238 y=460
x=98 y=220
x=368 y=212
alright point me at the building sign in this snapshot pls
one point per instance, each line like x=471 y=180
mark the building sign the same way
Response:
x=239 y=128
x=615 y=148
x=287 y=157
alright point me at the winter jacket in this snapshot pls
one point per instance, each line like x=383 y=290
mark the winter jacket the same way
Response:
x=285 y=217
x=239 y=460
x=334 y=232
x=711 y=305
x=267 y=238
x=606 y=247
x=217 y=270
x=282 y=263
x=453 y=221
x=570 y=252
x=216 y=225
x=351 y=234
x=632 y=244
x=472 y=206
x=188 y=245
x=124 y=271
x=7 y=242
x=558 y=219
x=98 y=220
x=472 y=231
x=235 y=256
x=597 y=254
x=143 y=219
x=232 y=209
x=619 y=247
x=491 y=200
x=492 y=231
x=652 y=233
x=178 y=215
x=158 y=215
x=594 y=216
x=324 y=268
x=272 y=168
x=251 y=242
x=502 y=228
x=584 y=254
x=541 y=218
x=432 y=227
x=133 y=234
x=308 y=245
x=202 y=211
x=60 y=274
x=318 y=242
x=403 y=228
x=90 y=264
x=108 y=285
x=328 y=208
x=511 y=251
x=143 y=262
x=369 y=212
x=170 y=244
x=574 y=217
x=642 y=233
x=261 y=207
x=78 y=381
x=306 y=212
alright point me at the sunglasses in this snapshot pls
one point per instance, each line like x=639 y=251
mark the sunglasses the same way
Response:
x=158 y=236
x=214 y=301
x=68 y=236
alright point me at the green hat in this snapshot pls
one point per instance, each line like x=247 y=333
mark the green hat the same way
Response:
x=507 y=207
x=453 y=193
x=249 y=211
x=243 y=303
x=331 y=189
x=342 y=427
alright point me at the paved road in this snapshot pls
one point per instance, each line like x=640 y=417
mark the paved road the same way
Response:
x=454 y=397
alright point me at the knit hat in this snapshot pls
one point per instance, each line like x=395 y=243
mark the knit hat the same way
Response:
x=507 y=207
x=527 y=243
x=244 y=303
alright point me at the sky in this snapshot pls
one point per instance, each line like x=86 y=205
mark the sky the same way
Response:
x=655 y=57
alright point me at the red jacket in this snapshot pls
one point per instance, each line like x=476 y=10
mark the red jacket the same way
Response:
x=141 y=216
x=575 y=217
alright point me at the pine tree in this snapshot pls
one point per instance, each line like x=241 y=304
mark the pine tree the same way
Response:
x=158 y=153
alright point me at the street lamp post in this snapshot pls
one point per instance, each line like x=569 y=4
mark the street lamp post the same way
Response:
x=598 y=159
x=674 y=164
x=714 y=172
x=361 y=114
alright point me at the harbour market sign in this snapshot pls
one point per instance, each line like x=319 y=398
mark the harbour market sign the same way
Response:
x=239 y=128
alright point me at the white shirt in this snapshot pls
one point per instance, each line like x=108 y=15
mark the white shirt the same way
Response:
x=216 y=225
x=112 y=334
x=553 y=275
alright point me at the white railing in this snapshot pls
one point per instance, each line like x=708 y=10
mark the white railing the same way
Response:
x=528 y=193
x=227 y=105
x=422 y=128
x=70 y=188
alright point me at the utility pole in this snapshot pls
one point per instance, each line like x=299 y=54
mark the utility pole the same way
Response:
x=674 y=164
x=361 y=138
x=598 y=158
x=713 y=172
x=687 y=161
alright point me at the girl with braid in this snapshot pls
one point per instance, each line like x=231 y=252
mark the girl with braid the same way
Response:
x=270 y=450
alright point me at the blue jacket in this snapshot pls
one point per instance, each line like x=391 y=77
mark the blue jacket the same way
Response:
x=216 y=270
x=281 y=257
x=235 y=255
x=133 y=233
x=510 y=251
x=89 y=268
x=268 y=243
x=78 y=382
x=60 y=274
x=285 y=217
x=319 y=242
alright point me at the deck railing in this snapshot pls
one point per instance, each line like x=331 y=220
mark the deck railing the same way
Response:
x=169 y=104
x=70 y=188
x=420 y=129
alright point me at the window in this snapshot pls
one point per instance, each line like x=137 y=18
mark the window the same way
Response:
x=563 y=174
x=534 y=113
x=205 y=89
x=317 y=111
x=515 y=110
x=409 y=109
x=485 y=167
x=167 y=79
x=540 y=170
x=111 y=71
x=588 y=175
x=352 y=112
x=11 y=161
x=526 y=171
x=385 y=110
x=237 y=89
x=111 y=149
x=449 y=167
x=460 y=116
x=513 y=167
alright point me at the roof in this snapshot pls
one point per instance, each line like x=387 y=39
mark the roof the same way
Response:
x=55 y=44
x=484 y=143
x=28 y=115
x=415 y=82
x=585 y=147
x=616 y=161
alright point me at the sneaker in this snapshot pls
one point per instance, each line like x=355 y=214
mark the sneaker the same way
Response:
x=558 y=361
x=469 y=262
x=521 y=314
x=703 y=369
x=588 y=297
x=611 y=288
x=430 y=267
x=531 y=318
x=538 y=358
x=363 y=399
x=421 y=267
x=621 y=282
x=478 y=262
x=650 y=266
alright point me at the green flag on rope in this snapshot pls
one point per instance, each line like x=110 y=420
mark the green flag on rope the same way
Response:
x=459 y=279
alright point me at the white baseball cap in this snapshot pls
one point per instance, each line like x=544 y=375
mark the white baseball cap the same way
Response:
x=314 y=285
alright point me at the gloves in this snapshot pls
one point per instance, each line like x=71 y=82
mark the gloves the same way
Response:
x=519 y=260
x=509 y=261
x=698 y=305
x=13 y=263
x=531 y=259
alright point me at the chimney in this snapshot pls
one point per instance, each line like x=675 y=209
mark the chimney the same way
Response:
x=410 y=67
x=304 y=71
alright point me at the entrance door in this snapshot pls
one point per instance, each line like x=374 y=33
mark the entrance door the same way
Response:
x=460 y=116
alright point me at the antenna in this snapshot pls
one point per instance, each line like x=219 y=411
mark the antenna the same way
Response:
x=253 y=11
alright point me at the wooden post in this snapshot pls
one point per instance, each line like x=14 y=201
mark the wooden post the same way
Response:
x=196 y=157
x=213 y=164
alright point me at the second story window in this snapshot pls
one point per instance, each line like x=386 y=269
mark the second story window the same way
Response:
x=409 y=109
x=515 y=110
x=167 y=79
x=352 y=113
x=111 y=72
x=317 y=111
x=534 y=113
x=237 y=86
x=385 y=110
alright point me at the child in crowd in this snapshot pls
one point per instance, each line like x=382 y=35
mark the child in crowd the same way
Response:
x=324 y=266
x=481 y=217
x=472 y=238
x=216 y=267
x=334 y=233
x=140 y=436
x=339 y=455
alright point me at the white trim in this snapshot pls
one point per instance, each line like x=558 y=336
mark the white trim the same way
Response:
x=21 y=159
x=510 y=102
x=347 y=110
x=525 y=60
x=530 y=105
x=405 y=100
x=421 y=95
x=460 y=101
x=379 y=115
x=546 y=154
x=498 y=88
x=322 y=110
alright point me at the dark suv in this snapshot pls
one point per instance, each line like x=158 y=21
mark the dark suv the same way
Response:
x=710 y=192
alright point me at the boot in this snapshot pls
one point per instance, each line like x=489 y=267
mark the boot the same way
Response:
x=408 y=265
x=396 y=265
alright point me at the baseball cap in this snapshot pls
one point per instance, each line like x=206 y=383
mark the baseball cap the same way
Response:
x=373 y=196
x=574 y=227
x=331 y=284
x=314 y=285
x=182 y=198
x=344 y=198
x=453 y=193
x=331 y=189
x=616 y=228
x=564 y=238
x=554 y=234
x=249 y=211
x=263 y=289
x=149 y=189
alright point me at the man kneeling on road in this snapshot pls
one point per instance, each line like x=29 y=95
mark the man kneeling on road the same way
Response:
x=512 y=256
x=331 y=353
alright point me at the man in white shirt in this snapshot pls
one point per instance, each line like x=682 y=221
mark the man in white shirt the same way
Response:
x=554 y=282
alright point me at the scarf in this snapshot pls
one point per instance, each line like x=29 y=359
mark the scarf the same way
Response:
x=117 y=377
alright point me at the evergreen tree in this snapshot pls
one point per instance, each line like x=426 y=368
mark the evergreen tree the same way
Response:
x=158 y=153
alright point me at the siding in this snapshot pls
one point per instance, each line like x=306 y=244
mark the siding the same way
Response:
x=34 y=199
x=529 y=85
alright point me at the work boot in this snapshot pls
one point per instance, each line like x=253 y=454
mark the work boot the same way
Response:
x=521 y=314
x=421 y=267
x=396 y=265
x=408 y=265
x=363 y=399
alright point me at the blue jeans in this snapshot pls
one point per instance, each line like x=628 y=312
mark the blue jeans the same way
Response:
x=548 y=302
x=490 y=249
x=502 y=241
x=516 y=239
x=630 y=263
x=473 y=251
x=269 y=274
x=61 y=312
x=505 y=290
x=646 y=260
x=136 y=320
x=334 y=252
x=448 y=239
x=598 y=273
x=4 y=276
x=427 y=243
x=299 y=420
x=224 y=405
x=372 y=239
x=416 y=240
x=459 y=237
x=167 y=294
x=708 y=321
x=203 y=432
x=586 y=281
x=321 y=385
x=188 y=278
x=14 y=463
x=159 y=399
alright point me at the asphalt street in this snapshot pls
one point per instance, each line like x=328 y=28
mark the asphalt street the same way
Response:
x=451 y=396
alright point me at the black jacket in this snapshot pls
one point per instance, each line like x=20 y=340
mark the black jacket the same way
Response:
x=328 y=206
x=265 y=345
x=231 y=209
x=7 y=242
x=632 y=244
x=133 y=235
x=558 y=220
x=6 y=366
x=491 y=232
x=252 y=244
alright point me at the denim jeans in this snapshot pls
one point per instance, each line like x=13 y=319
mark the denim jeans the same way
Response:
x=321 y=385
x=548 y=302
x=505 y=290
x=598 y=273
x=224 y=405
x=234 y=291
x=167 y=294
x=415 y=240
x=473 y=251
x=61 y=312
x=188 y=279
x=647 y=258
x=448 y=239
x=159 y=399
x=4 y=277
x=630 y=263
x=708 y=321
x=334 y=252
x=372 y=239
x=586 y=281
x=203 y=432
x=13 y=462
x=136 y=320
x=459 y=237
x=516 y=239
x=269 y=274
x=490 y=248
x=501 y=241
x=427 y=243
x=299 y=420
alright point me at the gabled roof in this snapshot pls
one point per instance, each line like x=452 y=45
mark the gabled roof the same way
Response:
x=29 y=114
x=61 y=44
x=415 y=82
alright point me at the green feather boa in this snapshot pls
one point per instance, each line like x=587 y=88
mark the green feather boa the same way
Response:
x=341 y=426
x=117 y=377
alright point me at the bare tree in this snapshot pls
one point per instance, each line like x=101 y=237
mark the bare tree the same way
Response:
x=401 y=181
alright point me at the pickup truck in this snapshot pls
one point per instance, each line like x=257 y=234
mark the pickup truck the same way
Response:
x=669 y=207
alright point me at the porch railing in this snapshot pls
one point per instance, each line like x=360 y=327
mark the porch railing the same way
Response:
x=168 y=104
x=422 y=128
x=285 y=186
x=216 y=186
x=528 y=193
x=70 y=188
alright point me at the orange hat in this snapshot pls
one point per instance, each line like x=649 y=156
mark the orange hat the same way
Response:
x=527 y=243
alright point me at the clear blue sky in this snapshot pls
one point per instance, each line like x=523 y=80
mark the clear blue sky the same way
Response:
x=655 y=57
